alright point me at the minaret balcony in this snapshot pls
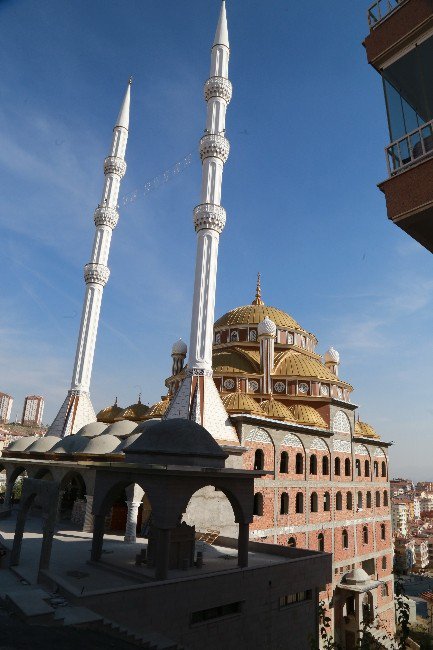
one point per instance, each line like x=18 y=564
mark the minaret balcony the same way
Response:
x=209 y=216
x=214 y=146
x=218 y=87
x=114 y=165
x=96 y=274
x=105 y=216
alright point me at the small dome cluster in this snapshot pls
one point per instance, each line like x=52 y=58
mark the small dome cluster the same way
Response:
x=138 y=412
x=274 y=409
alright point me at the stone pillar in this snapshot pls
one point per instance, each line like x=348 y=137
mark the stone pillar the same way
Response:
x=243 y=539
x=8 y=496
x=98 y=537
x=88 y=516
x=18 y=538
x=131 y=522
x=47 y=542
x=162 y=553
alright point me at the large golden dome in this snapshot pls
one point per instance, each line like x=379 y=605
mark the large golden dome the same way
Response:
x=365 y=430
x=110 y=413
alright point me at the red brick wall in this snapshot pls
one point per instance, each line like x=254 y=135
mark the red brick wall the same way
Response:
x=268 y=451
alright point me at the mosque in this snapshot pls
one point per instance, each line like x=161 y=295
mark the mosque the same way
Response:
x=264 y=410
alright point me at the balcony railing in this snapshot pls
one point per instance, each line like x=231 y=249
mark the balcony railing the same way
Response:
x=381 y=8
x=410 y=148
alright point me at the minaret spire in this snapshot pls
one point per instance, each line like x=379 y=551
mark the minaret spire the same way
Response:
x=258 y=298
x=77 y=409
x=198 y=398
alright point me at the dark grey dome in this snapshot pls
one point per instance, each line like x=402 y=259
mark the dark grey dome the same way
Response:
x=176 y=442
x=92 y=429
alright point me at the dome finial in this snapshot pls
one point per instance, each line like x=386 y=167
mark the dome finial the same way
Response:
x=258 y=299
x=139 y=398
x=115 y=402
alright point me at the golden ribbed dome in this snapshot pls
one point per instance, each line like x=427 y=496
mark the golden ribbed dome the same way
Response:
x=308 y=415
x=135 y=412
x=110 y=413
x=232 y=360
x=277 y=410
x=365 y=430
x=241 y=403
x=157 y=410
x=254 y=314
x=296 y=364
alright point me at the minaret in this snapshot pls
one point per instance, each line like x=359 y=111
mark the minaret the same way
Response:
x=198 y=398
x=77 y=409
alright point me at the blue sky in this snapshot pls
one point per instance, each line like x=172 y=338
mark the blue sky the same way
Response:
x=307 y=129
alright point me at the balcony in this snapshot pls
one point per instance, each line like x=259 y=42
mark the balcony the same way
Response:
x=410 y=149
x=380 y=10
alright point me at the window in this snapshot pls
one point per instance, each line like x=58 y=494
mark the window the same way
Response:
x=314 y=502
x=291 y=599
x=385 y=498
x=253 y=335
x=368 y=504
x=292 y=542
x=365 y=535
x=349 y=501
x=383 y=533
x=259 y=459
x=345 y=539
x=384 y=589
x=215 y=612
x=299 y=505
x=384 y=563
x=234 y=336
x=284 y=463
x=284 y=504
x=338 y=501
x=359 y=500
x=337 y=469
x=347 y=467
x=325 y=466
x=377 y=499
x=313 y=464
x=258 y=504
x=299 y=464
x=217 y=338
x=367 y=468
x=376 y=468
x=383 y=469
x=358 y=467
x=321 y=542
x=326 y=502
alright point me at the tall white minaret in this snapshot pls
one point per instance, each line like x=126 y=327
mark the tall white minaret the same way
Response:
x=77 y=409
x=198 y=398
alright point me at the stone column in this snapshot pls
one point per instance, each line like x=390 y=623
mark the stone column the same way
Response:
x=8 y=496
x=18 y=537
x=131 y=522
x=88 y=516
x=162 y=553
x=98 y=537
x=243 y=539
x=47 y=542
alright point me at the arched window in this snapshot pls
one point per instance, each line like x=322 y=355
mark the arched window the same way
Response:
x=338 y=501
x=325 y=465
x=358 y=467
x=376 y=468
x=284 y=463
x=349 y=501
x=217 y=338
x=385 y=498
x=384 y=589
x=382 y=531
x=299 y=464
x=345 y=539
x=365 y=534
x=258 y=504
x=377 y=499
x=366 y=468
x=347 y=467
x=284 y=504
x=383 y=469
x=314 y=505
x=313 y=464
x=253 y=335
x=368 y=500
x=337 y=469
x=299 y=505
x=292 y=542
x=234 y=336
x=384 y=562
x=326 y=502
x=321 y=542
x=359 y=505
x=259 y=459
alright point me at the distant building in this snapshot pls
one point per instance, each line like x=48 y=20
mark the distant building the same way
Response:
x=426 y=501
x=424 y=486
x=399 y=517
x=6 y=402
x=421 y=554
x=33 y=410
x=404 y=554
x=401 y=486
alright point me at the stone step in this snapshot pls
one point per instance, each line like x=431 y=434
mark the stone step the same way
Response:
x=76 y=616
x=30 y=605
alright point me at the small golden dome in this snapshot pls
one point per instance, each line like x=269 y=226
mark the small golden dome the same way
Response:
x=110 y=413
x=297 y=364
x=157 y=410
x=365 y=430
x=277 y=410
x=224 y=361
x=308 y=416
x=241 y=403
x=135 y=412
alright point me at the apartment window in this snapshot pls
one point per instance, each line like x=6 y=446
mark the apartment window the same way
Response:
x=358 y=467
x=284 y=504
x=299 y=464
x=259 y=459
x=337 y=469
x=258 y=504
x=292 y=542
x=349 y=501
x=347 y=467
x=292 y=599
x=345 y=539
x=367 y=468
x=382 y=531
x=326 y=502
x=368 y=500
x=321 y=542
x=314 y=504
x=325 y=466
x=338 y=501
x=299 y=505
x=215 y=612
x=284 y=463
x=365 y=535
x=313 y=464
